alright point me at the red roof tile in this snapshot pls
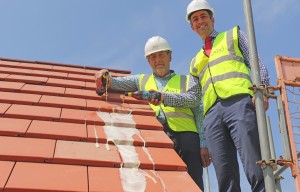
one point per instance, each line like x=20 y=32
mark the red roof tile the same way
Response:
x=66 y=102
x=33 y=112
x=66 y=83
x=13 y=86
x=29 y=177
x=100 y=179
x=80 y=116
x=90 y=85
x=168 y=161
x=6 y=168
x=57 y=130
x=81 y=93
x=3 y=75
x=26 y=149
x=69 y=69
x=19 y=98
x=149 y=137
x=4 y=107
x=79 y=77
x=35 y=66
x=83 y=153
x=14 y=70
x=52 y=74
x=27 y=79
x=9 y=63
x=57 y=134
x=42 y=89
x=13 y=127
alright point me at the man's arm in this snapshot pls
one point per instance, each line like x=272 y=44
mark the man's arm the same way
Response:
x=264 y=75
x=199 y=117
x=128 y=83
x=265 y=78
x=190 y=99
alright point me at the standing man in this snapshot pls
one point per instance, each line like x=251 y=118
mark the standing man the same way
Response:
x=182 y=125
x=220 y=75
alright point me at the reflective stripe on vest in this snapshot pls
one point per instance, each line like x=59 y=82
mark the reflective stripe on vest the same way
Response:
x=179 y=119
x=224 y=73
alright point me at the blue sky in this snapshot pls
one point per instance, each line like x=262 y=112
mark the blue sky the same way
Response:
x=112 y=34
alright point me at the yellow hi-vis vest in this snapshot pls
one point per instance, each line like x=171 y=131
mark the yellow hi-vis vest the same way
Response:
x=179 y=119
x=224 y=73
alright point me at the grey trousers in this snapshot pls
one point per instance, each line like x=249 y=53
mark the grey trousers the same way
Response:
x=231 y=128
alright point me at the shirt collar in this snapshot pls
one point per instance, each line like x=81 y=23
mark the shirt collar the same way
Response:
x=171 y=74
x=213 y=34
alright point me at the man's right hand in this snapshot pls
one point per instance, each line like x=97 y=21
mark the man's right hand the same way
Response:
x=98 y=78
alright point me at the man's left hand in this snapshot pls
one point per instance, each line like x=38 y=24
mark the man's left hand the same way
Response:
x=205 y=157
x=266 y=102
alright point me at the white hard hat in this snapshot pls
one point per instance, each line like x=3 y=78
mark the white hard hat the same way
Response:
x=197 y=5
x=156 y=44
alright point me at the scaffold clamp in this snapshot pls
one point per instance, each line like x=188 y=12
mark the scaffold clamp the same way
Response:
x=263 y=164
x=267 y=91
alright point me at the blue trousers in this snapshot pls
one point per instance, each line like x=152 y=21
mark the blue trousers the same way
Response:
x=187 y=146
x=231 y=128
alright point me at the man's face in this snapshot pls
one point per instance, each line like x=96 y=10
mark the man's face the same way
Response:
x=202 y=24
x=160 y=63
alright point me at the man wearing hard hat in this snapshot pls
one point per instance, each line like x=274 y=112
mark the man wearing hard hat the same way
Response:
x=182 y=125
x=220 y=75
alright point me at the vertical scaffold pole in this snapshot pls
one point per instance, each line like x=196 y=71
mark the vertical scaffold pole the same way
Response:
x=259 y=104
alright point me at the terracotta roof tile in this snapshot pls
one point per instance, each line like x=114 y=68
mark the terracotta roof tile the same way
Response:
x=184 y=183
x=35 y=66
x=14 y=70
x=33 y=112
x=3 y=75
x=57 y=134
x=83 y=153
x=69 y=69
x=101 y=177
x=97 y=105
x=108 y=175
x=26 y=149
x=6 y=168
x=66 y=102
x=80 y=116
x=90 y=85
x=147 y=122
x=52 y=74
x=9 y=63
x=149 y=137
x=168 y=161
x=66 y=83
x=19 y=98
x=42 y=89
x=81 y=77
x=13 y=127
x=4 y=107
x=57 y=130
x=27 y=79
x=136 y=109
x=81 y=93
x=28 y=177
x=112 y=97
x=11 y=86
